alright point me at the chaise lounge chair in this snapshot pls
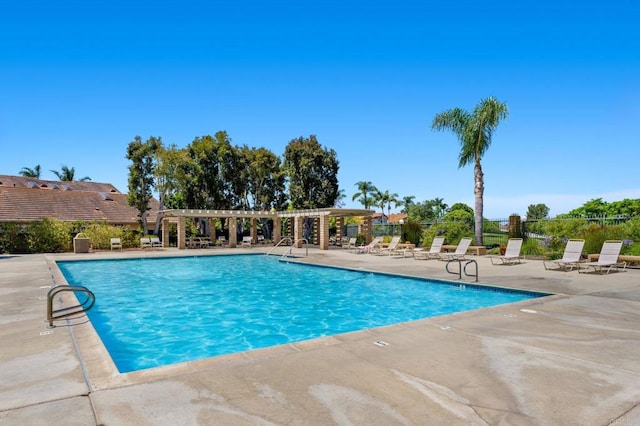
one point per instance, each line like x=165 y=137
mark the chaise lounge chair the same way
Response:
x=570 y=259
x=370 y=246
x=145 y=242
x=350 y=245
x=511 y=254
x=460 y=253
x=608 y=258
x=390 y=249
x=432 y=253
x=155 y=242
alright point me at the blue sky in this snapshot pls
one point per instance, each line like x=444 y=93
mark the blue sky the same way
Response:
x=79 y=80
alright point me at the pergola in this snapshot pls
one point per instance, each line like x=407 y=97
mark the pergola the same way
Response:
x=320 y=216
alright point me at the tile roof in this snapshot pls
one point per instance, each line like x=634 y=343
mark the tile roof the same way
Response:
x=86 y=201
x=21 y=181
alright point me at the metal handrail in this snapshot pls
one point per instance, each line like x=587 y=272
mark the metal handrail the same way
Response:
x=278 y=244
x=68 y=311
x=293 y=244
x=306 y=246
x=462 y=269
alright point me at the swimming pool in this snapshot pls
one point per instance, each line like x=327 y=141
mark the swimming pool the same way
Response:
x=154 y=312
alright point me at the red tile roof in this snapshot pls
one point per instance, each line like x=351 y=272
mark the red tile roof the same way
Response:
x=85 y=201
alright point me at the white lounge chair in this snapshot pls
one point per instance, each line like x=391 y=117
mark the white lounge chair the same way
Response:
x=155 y=242
x=246 y=242
x=350 y=245
x=116 y=243
x=370 y=246
x=145 y=242
x=432 y=253
x=461 y=250
x=388 y=250
x=570 y=258
x=511 y=254
x=608 y=258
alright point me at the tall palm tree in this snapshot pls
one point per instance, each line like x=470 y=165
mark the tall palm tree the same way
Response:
x=366 y=193
x=385 y=199
x=67 y=174
x=474 y=131
x=407 y=201
x=32 y=173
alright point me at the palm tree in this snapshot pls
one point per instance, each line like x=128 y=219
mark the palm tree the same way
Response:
x=340 y=199
x=366 y=193
x=32 y=173
x=407 y=201
x=385 y=199
x=67 y=174
x=474 y=131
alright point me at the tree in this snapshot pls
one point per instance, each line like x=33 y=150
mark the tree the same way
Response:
x=474 y=131
x=67 y=174
x=366 y=194
x=141 y=175
x=384 y=199
x=537 y=211
x=213 y=178
x=340 y=199
x=312 y=172
x=407 y=201
x=31 y=173
x=262 y=179
x=171 y=176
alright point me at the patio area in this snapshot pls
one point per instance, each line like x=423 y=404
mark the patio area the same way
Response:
x=570 y=358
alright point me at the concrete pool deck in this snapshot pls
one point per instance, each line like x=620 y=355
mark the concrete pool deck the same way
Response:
x=572 y=358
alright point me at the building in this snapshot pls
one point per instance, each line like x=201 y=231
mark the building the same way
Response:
x=25 y=200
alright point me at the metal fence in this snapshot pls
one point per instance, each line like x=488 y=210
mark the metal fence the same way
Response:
x=495 y=231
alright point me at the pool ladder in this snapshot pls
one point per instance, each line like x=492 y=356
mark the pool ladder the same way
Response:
x=289 y=252
x=462 y=269
x=68 y=311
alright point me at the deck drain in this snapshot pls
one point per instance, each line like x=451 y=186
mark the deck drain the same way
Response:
x=446 y=328
x=381 y=343
x=46 y=333
x=511 y=315
x=529 y=311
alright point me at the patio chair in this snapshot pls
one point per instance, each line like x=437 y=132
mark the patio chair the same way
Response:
x=570 y=258
x=432 y=253
x=116 y=243
x=388 y=250
x=155 y=242
x=608 y=258
x=246 y=242
x=350 y=244
x=145 y=242
x=511 y=254
x=367 y=248
x=460 y=253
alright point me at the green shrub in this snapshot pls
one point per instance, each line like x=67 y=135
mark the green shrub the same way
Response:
x=532 y=247
x=49 y=236
x=563 y=228
x=100 y=235
x=595 y=236
x=13 y=238
x=412 y=231
x=453 y=232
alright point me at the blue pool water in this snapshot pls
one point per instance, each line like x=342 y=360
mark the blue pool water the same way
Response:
x=154 y=312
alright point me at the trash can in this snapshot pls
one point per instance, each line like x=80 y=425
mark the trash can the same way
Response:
x=81 y=243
